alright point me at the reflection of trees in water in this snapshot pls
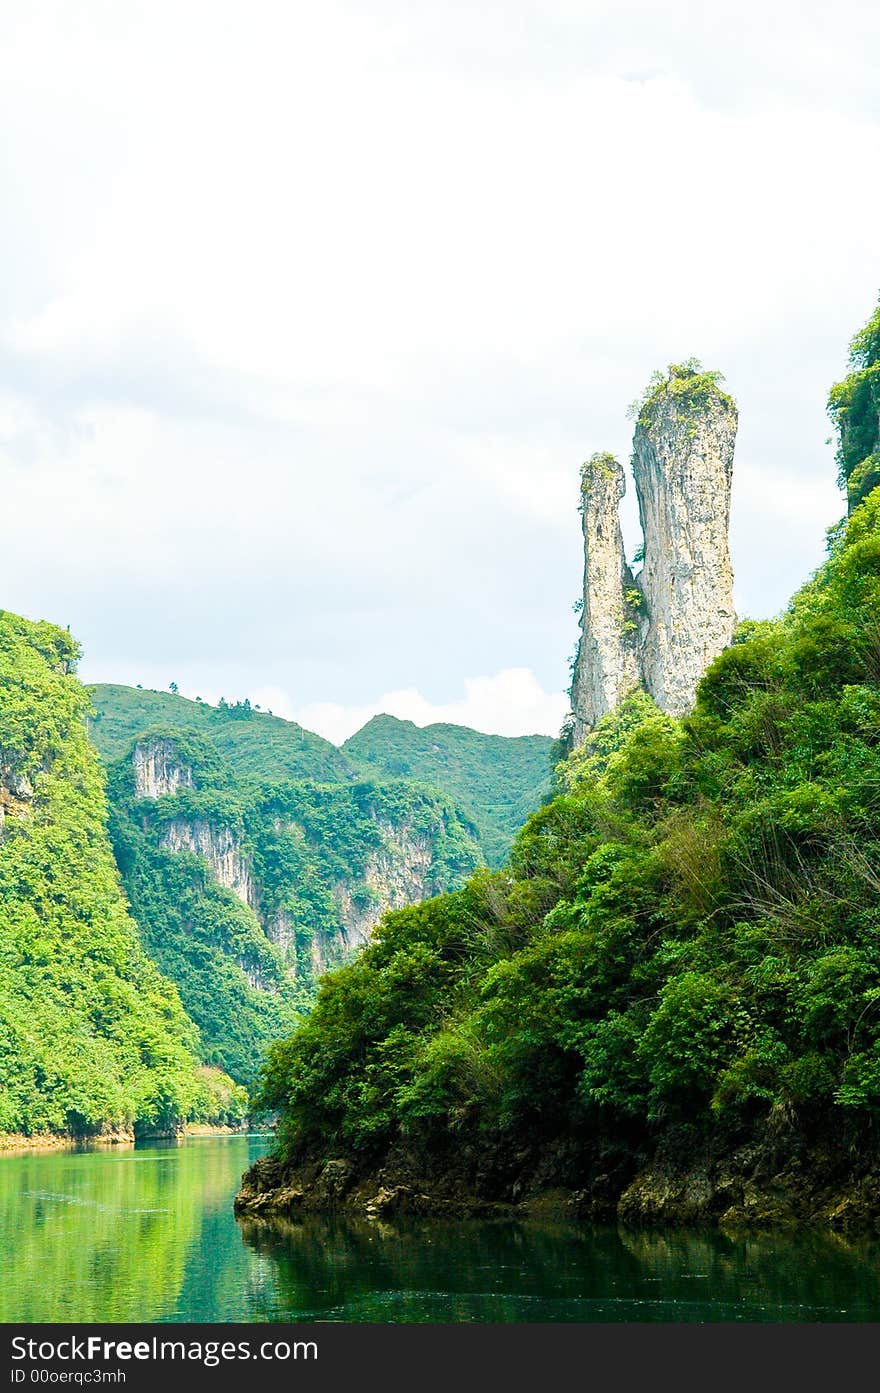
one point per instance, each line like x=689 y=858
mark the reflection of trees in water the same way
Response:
x=106 y=1235
x=149 y=1234
x=498 y=1271
x=432 y=1270
x=819 y=1271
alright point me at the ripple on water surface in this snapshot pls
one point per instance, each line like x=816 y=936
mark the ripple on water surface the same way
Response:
x=123 y=1234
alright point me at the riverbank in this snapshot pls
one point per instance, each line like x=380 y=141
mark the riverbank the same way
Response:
x=123 y=1235
x=15 y=1142
x=64 y=1141
x=754 y=1187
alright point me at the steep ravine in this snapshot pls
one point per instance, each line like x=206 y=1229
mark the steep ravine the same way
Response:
x=246 y=891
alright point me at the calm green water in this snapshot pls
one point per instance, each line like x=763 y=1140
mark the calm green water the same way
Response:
x=149 y=1234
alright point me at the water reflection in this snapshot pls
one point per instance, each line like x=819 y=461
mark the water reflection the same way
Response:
x=149 y=1234
x=118 y=1233
x=499 y=1271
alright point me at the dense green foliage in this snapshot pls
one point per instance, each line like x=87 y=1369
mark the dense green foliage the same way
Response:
x=688 y=383
x=310 y=851
x=496 y=780
x=255 y=743
x=91 y=1035
x=854 y=407
x=685 y=937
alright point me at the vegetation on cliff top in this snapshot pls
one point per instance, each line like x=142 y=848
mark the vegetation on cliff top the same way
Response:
x=496 y=780
x=91 y=1035
x=854 y=407
x=254 y=743
x=689 y=384
x=683 y=943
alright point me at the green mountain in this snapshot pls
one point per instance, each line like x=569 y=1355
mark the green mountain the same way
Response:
x=255 y=855
x=254 y=743
x=92 y=1036
x=667 y=1002
x=496 y=780
x=246 y=889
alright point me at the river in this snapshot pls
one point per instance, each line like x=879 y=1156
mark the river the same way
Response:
x=124 y=1234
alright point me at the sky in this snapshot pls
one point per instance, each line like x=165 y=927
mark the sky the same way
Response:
x=310 y=314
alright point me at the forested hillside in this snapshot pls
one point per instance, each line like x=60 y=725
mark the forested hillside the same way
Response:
x=92 y=1036
x=668 y=1003
x=255 y=743
x=496 y=780
x=247 y=889
x=256 y=855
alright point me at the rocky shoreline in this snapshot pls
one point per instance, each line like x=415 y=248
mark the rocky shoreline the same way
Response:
x=110 y=1136
x=749 y=1189
x=65 y=1141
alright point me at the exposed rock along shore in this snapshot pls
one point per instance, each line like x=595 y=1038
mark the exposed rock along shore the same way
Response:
x=752 y=1187
x=111 y=1136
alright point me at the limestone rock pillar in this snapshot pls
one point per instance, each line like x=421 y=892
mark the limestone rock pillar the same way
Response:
x=682 y=466
x=606 y=667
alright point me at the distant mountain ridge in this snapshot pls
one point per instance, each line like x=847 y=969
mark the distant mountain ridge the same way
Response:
x=255 y=855
x=496 y=780
x=255 y=743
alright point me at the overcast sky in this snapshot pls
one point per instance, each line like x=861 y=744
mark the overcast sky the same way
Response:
x=310 y=313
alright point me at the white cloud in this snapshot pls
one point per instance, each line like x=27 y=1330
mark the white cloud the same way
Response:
x=300 y=362
x=511 y=702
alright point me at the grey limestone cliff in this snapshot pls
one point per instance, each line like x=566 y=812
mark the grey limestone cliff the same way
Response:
x=219 y=847
x=158 y=769
x=402 y=870
x=399 y=873
x=683 y=467
x=607 y=665
x=662 y=628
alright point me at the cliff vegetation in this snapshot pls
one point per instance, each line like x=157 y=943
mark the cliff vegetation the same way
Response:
x=854 y=408
x=666 y=1003
x=92 y=1037
x=245 y=890
x=496 y=780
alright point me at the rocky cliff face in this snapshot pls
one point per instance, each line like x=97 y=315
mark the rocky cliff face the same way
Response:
x=663 y=627
x=16 y=794
x=397 y=875
x=607 y=664
x=683 y=467
x=158 y=769
x=311 y=868
x=159 y=772
x=400 y=873
x=219 y=847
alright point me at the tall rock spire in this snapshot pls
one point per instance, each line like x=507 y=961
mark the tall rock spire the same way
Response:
x=663 y=628
x=682 y=466
x=606 y=666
